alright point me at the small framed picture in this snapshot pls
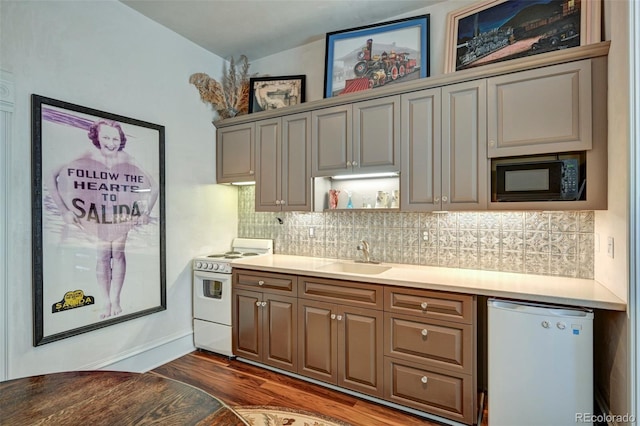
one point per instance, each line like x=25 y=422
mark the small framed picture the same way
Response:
x=498 y=30
x=370 y=57
x=266 y=93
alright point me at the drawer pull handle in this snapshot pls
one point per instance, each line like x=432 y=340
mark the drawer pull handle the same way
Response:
x=339 y=317
x=424 y=379
x=333 y=316
x=258 y=304
x=260 y=282
x=424 y=305
x=264 y=304
x=424 y=332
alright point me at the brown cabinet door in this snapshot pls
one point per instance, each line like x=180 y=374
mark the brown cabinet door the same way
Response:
x=441 y=344
x=376 y=135
x=279 y=328
x=265 y=281
x=247 y=333
x=317 y=340
x=296 y=163
x=268 y=165
x=360 y=349
x=235 y=153
x=331 y=141
x=435 y=391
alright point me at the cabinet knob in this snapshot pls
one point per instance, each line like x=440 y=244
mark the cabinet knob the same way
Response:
x=260 y=282
x=424 y=305
x=348 y=163
x=263 y=304
x=282 y=202
x=277 y=202
x=424 y=332
x=444 y=199
x=355 y=164
x=333 y=316
x=251 y=172
x=492 y=143
x=424 y=379
x=436 y=200
x=339 y=317
x=258 y=304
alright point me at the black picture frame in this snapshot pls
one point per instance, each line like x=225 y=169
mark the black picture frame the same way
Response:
x=98 y=221
x=267 y=93
x=373 y=56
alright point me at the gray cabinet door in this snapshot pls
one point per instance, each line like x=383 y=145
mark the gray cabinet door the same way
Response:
x=420 y=179
x=235 y=154
x=283 y=164
x=331 y=140
x=540 y=111
x=268 y=165
x=376 y=135
x=465 y=175
x=296 y=163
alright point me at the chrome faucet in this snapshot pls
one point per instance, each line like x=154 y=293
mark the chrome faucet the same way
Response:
x=364 y=246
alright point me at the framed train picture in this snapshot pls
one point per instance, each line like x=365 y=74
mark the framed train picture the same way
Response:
x=374 y=56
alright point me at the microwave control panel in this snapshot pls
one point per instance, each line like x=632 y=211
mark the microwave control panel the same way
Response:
x=570 y=179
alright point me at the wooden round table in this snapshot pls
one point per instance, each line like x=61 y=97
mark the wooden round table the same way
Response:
x=109 y=398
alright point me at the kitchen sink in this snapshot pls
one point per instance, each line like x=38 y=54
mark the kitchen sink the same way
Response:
x=355 y=268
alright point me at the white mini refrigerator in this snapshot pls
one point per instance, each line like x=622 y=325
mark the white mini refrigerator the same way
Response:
x=540 y=364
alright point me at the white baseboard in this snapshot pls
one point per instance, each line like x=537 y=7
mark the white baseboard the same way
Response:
x=147 y=357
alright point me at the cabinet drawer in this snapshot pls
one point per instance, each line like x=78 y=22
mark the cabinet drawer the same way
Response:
x=336 y=291
x=441 y=344
x=435 y=391
x=430 y=304
x=265 y=281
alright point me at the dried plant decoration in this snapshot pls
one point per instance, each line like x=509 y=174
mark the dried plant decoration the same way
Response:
x=229 y=98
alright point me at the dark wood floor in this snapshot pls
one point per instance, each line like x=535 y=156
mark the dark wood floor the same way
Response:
x=238 y=383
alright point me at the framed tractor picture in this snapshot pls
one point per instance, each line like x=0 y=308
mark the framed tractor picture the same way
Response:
x=374 y=56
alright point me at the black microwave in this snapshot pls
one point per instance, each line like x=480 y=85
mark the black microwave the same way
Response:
x=551 y=180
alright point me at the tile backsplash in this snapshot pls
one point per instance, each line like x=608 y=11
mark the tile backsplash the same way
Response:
x=547 y=243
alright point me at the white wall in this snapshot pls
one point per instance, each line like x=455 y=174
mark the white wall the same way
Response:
x=614 y=222
x=106 y=56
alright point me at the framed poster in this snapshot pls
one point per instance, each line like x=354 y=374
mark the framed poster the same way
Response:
x=368 y=57
x=98 y=227
x=266 y=93
x=498 y=30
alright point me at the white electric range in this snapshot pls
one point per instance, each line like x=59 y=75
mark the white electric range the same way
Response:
x=212 y=293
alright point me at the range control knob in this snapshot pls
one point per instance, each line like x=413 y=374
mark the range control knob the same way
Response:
x=198 y=264
x=210 y=266
x=215 y=266
x=545 y=324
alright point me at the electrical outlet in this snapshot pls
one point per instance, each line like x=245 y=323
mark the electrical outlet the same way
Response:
x=312 y=232
x=425 y=235
x=610 y=247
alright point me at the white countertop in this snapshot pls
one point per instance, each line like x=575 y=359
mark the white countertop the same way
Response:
x=535 y=288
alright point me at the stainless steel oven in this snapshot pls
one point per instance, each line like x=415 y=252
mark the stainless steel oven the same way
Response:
x=212 y=293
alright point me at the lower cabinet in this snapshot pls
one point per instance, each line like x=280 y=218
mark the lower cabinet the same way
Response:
x=265 y=328
x=436 y=391
x=341 y=345
x=413 y=347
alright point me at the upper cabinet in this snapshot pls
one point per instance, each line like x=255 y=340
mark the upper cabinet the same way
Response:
x=235 y=153
x=444 y=160
x=363 y=137
x=283 y=163
x=540 y=111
